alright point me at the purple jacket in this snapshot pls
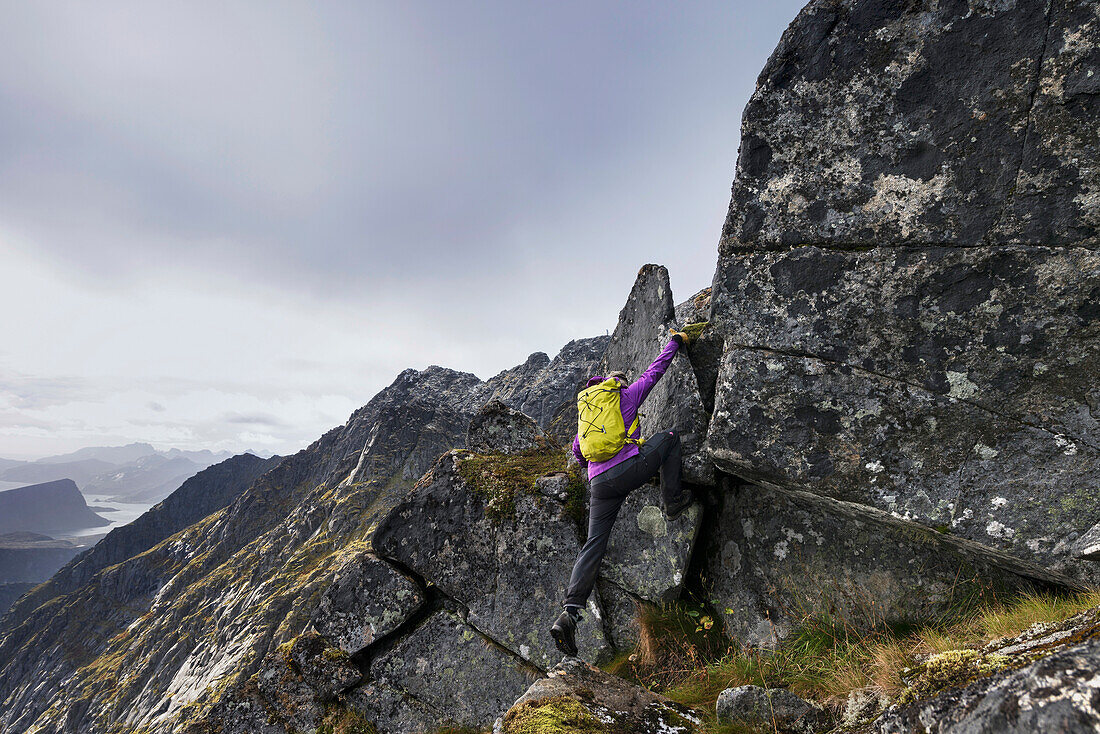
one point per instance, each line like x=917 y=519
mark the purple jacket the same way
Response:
x=630 y=399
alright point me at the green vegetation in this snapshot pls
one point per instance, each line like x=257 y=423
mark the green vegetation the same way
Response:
x=339 y=720
x=558 y=715
x=497 y=478
x=576 y=500
x=683 y=658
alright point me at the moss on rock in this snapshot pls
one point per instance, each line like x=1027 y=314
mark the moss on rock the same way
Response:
x=497 y=478
x=558 y=715
x=951 y=669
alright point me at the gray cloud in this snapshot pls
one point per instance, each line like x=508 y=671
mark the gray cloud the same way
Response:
x=27 y=392
x=253 y=419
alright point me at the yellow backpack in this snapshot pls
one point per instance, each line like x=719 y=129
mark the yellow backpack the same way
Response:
x=600 y=421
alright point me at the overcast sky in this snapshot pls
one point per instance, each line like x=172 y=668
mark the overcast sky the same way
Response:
x=227 y=225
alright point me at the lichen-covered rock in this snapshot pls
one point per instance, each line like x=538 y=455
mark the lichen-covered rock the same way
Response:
x=908 y=284
x=648 y=555
x=803 y=423
x=954 y=123
x=1057 y=693
x=298 y=681
x=391 y=711
x=325 y=668
x=368 y=599
x=575 y=697
x=862 y=706
x=498 y=429
x=675 y=402
x=776 y=556
x=1012 y=330
x=510 y=573
x=454 y=670
x=774 y=709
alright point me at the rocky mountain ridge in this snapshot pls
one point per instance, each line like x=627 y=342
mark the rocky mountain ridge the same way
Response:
x=890 y=416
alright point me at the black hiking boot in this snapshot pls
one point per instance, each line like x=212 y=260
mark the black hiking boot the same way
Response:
x=564 y=633
x=677 y=508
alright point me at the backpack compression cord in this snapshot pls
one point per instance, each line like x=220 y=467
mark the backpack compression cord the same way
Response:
x=600 y=427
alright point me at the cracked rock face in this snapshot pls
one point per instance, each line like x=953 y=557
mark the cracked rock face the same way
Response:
x=510 y=574
x=647 y=554
x=367 y=600
x=675 y=402
x=775 y=556
x=454 y=670
x=908 y=285
x=800 y=423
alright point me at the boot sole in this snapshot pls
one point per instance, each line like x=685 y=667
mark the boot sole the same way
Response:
x=562 y=643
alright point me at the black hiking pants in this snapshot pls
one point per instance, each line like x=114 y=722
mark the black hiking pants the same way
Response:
x=660 y=452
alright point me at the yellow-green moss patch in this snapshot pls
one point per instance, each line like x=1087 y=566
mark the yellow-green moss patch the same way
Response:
x=497 y=478
x=558 y=715
x=951 y=669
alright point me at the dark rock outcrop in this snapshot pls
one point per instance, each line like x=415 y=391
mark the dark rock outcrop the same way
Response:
x=675 y=402
x=907 y=281
x=952 y=124
x=368 y=599
x=50 y=508
x=450 y=667
x=498 y=429
x=1041 y=680
x=776 y=557
x=889 y=390
x=510 y=573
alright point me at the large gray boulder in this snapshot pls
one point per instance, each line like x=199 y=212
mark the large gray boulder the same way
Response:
x=776 y=557
x=907 y=283
x=509 y=573
x=498 y=429
x=367 y=600
x=648 y=555
x=675 y=402
x=804 y=423
x=454 y=670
